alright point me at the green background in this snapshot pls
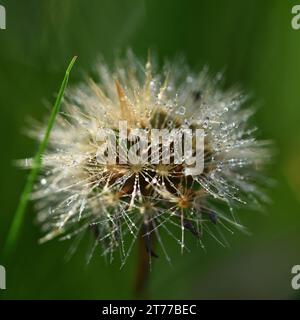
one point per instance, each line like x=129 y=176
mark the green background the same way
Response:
x=254 y=43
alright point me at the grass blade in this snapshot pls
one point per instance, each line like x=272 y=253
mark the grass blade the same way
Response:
x=15 y=227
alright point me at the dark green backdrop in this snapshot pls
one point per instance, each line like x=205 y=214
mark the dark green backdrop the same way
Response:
x=252 y=40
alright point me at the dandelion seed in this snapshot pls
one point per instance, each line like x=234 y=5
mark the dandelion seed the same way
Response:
x=122 y=200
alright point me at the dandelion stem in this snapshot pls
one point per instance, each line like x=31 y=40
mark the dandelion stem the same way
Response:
x=145 y=254
x=143 y=269
x=16 y=224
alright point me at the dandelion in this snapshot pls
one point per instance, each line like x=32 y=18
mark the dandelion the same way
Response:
x=122 y=201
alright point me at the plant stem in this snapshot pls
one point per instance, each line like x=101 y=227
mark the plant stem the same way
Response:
x=16 y=224
x=143 y=269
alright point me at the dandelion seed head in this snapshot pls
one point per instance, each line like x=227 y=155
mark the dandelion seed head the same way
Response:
x=119 y=201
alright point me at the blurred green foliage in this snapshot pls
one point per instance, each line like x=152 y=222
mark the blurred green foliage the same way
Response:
x=255 y=44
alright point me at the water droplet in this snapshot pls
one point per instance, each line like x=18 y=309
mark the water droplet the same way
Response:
x=205 y=123
x=152 y=84
x=223 y=126
x=181 y=110
x=148 y=65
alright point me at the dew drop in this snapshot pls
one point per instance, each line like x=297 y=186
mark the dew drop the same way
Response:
x=152 y=84
x=148 y=65
x=223 y=126
x=205 y=123
x=181 y=110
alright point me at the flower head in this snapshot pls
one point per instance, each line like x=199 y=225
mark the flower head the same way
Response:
x=80 y=190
